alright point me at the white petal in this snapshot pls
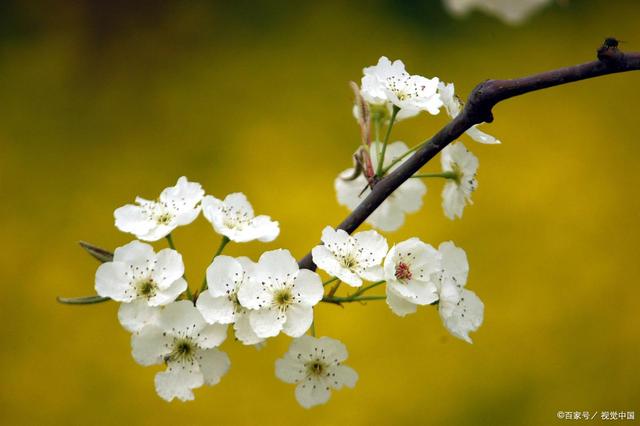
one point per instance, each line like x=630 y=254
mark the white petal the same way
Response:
x=136 y=314
x=373 y=273
x=112 y=282
x=244 y=332
x=373 y=248
x=181 y=317
x=131 y=219
x=276 y=264
x=325 y=260
x=387 y=217
x=344 y=376
x=266 y=322
x=213 y=364
x=254 y=294
x=168 y=268
x=334 y=350
x=454 y=263
x=268 y=230
x=219 y=309
x=134 y=253
x=299 y=319
x=290 y=370
x=307 y=287
x=150 y=345
x=169 y=294
x=211 y=336
x=408 y=197
x=223 y=275
x=466 y=317
x=398 y=305
x=178 y=381
x=238 y=201
x=312 y=392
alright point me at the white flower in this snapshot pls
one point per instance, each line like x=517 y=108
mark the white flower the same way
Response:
x=315 y=365
x=407 y=198
x=186 y=344
x=280 y=296
x=457 y=192
x=453 y=105
x=460 y=309
x=411 y=269
x=388 y=82
x=151 y=220
x=510 y=11
x=351 y=258
x=234 y=218
x=140 y=279
x=220 y=304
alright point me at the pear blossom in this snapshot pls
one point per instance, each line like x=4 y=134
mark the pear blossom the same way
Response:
x=407 y=198
x=219 y=303
x=280 y=296
x=183 y=341
x=411 y=270
x=141 y=279
x=460 y=309
x=459 y=161
x=234 y=218
x=315 y=366
x=389 y=83
x=152 y=220
x=510 y=11
x=351 y=258
x=453 y=106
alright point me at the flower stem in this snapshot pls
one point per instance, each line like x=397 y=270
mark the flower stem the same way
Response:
x=334 y=289
x=349 y=299
x=329 y=281
x=313 y=328
x=88 y=300
x=223 y=243
x=386 y=140
x=170 y=241
x=368 y=287
x=446 y=175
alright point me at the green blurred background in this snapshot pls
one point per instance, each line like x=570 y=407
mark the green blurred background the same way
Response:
x=102 y=101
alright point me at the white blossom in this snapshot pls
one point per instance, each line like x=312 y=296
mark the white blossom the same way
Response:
x=351 y=258
x=407 y=198
x=234 y=218
x=459 y=161
x=219 y=303
x=315 y=366
x=140 y=279
x=183 y=341
x=453 y=106
x=460 y=309
x=152 y=220
x=411 y=269
x=388 y=83
x=280 y=295
x=510 y=11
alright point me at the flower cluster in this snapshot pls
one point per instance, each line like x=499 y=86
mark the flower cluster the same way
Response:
x=184 y=329
x=510 y=11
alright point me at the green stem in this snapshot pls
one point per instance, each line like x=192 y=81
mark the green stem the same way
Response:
x=88 y=300
x=386 y=140
x=170 y=241
x=446 y=175
x=329 y=281
x=349 y=299
x=223 y=243
x=334 y=289
x=313 y=328
x=367 y=288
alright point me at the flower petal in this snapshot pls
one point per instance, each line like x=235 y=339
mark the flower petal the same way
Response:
x=213 y=364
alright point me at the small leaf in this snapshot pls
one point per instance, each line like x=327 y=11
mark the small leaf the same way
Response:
x=87 y=300
x=99 y=253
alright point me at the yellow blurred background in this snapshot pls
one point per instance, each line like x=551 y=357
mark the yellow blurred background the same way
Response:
x=103 y=101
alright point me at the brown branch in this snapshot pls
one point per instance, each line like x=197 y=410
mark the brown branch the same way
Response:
x=479 y=109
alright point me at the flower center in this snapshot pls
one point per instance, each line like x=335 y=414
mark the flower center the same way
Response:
x=315 y=368
x=184 y=349
x=403 y=272
x=164 y=219
x=349 y=261
x=283 y=298
x=146 y=288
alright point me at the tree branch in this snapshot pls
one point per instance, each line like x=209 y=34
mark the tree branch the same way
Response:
x=479 y=109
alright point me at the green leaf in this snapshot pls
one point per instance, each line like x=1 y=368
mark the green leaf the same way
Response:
x=99 y=253
x=87 y=300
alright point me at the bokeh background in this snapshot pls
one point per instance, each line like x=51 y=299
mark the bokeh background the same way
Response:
x=102 y=101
